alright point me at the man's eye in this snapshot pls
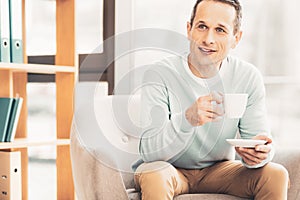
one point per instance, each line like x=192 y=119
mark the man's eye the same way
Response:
x=220 y=30
x=202 y=27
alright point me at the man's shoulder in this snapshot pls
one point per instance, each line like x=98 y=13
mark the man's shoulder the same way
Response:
x=171 y=61
x=168 y=64
x=167 y=70
x=241 y=66
x=235 y=61
x=243 y=71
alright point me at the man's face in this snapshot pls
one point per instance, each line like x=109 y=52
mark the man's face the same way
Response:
x=212 y=34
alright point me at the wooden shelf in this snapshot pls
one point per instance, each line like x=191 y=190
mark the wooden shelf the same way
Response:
x=14 y=77
x=24 y=143
x=36 y=68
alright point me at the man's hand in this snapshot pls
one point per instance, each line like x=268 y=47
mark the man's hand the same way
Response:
x=254 y=156
x=206 y=109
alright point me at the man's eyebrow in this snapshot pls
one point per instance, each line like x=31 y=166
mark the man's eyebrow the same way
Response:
x=200 y=22
x=223 y=26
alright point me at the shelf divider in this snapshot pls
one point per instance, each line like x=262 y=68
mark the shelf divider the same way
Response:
x=24 y=143
x=36 y=68
x=65 y=55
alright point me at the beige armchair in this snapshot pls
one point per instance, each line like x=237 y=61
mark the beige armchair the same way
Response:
x=104 y=144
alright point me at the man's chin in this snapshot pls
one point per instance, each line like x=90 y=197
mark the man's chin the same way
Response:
x=200 y=60
x=206 y=62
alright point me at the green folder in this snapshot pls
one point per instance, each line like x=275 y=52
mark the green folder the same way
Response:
x=13 y=119
x=4 y=31
x=5 y=109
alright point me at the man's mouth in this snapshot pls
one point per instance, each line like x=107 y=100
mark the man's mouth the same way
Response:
x=206 y=51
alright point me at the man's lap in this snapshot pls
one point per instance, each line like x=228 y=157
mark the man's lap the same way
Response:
x=227 y=177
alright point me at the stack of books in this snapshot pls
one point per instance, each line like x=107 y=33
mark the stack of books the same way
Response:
x=10 y=109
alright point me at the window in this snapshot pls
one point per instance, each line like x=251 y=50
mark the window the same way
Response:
x=41 y=28
x=41 y=126
x=89 y=26
x=94 y=24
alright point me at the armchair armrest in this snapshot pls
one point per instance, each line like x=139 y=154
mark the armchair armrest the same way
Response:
x=290 y=159
x=92 y=178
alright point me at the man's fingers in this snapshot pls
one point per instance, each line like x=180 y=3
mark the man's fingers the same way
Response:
x=249 y=159
x=252 y=154
x=212 y=107
x=263 y=148
x=206 y=109
x=263 y=137
x=249 y=162
x=213 y=96
x=217 y=97
x=208 y=115
x=218 y=109
x=203 y=119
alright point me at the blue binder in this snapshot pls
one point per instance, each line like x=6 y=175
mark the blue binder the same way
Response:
x=16 y=44
x=5 y=108
x=13 y=119
x=4 y=31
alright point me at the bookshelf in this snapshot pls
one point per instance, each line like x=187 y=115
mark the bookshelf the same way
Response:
x=14 y=80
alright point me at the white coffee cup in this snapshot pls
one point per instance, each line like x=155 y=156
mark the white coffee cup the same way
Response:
x=235 y=105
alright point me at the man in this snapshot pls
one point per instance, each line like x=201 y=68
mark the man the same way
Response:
x=183 y=144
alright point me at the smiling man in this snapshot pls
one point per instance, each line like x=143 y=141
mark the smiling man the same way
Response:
x=183 y=144
x=213 y=31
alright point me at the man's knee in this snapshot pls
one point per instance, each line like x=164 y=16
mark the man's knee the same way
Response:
x=156 y=179
x=275 y=172
x=153 y=167
x=273 y=182
x=157 y=171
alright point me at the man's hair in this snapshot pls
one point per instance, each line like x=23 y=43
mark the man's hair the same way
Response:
x=234 y=3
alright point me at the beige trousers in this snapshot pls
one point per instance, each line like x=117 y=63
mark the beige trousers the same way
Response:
x=162 y=181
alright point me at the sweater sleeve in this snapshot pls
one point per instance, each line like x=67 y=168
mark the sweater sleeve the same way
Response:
x=165 y=135
x=254 y=120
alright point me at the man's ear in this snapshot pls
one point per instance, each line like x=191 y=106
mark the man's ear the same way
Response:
x=188 y=30
x=237 y=38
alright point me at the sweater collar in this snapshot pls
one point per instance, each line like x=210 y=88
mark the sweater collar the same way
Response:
x=208 y=81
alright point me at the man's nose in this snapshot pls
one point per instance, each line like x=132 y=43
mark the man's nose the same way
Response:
x=209 y=38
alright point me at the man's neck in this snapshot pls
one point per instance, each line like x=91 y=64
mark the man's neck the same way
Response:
x=204 y=71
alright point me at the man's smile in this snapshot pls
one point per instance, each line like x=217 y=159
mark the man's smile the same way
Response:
x=206 y=50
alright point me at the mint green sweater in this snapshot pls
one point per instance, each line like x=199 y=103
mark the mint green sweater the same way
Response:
x=169 y=88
